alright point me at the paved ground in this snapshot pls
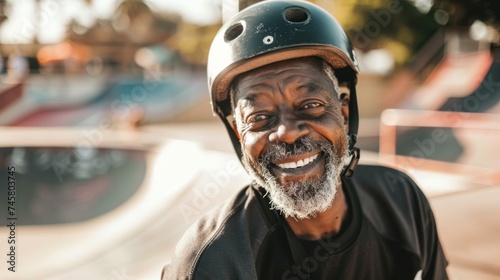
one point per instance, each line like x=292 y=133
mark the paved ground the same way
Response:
x=469 y=227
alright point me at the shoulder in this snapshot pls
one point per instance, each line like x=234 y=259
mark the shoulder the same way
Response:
x=390 y=200
x=386 y=183
x=388 y=175
x=228 y=234
x=397 y=208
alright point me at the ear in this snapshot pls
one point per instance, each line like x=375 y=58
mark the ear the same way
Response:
x=344 y=101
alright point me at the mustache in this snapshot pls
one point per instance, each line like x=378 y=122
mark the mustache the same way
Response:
x=280 y=150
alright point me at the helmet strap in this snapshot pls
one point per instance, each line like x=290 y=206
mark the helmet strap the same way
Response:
x=232 y=134
x=353 y=130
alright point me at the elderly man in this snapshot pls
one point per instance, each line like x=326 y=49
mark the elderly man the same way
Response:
x=276 y=70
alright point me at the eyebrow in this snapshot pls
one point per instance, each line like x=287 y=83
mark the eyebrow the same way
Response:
x=254 y=92
x=258 y=90
x=314 y=88
x=249 y=97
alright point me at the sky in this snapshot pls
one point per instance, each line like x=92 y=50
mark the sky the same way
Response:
x=56 y=14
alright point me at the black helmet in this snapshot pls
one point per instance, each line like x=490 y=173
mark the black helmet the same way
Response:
x=277 y=30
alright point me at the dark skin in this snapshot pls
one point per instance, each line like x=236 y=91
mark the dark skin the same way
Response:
x=283 y=102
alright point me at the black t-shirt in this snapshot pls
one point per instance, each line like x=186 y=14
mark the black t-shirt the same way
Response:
x=340 y=256
x=390 y=234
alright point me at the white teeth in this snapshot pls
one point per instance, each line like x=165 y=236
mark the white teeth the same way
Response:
x=299 y=163
x=306 y=161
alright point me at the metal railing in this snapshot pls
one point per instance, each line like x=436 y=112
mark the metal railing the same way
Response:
x=391 y=119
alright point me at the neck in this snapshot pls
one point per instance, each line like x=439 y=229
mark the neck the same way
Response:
x=325 y=224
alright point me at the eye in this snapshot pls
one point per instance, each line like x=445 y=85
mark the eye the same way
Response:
x=311 y=105
x=312 y=108
x=259 y=122
x=257 y=118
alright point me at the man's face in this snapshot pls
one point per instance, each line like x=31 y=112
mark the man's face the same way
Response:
x=291 y=125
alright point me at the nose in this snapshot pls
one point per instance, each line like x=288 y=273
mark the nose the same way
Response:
x=288 y=130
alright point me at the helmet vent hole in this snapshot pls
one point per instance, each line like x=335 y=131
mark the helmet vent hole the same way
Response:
x=296 y=15
x=233 y=32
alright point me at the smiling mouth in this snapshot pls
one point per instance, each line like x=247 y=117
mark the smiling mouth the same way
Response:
x=298 y=164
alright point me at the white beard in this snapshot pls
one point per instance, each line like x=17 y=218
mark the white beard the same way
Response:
x=301 y=199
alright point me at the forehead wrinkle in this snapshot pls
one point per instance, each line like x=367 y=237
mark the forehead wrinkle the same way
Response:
x=252 y=90
x=267 y=82
x=266 y=77
x=307 y=82
x=314 y=75
x=319 y=90
x=299 y=77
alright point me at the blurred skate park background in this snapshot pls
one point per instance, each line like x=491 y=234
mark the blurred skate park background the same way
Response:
x=105 y=114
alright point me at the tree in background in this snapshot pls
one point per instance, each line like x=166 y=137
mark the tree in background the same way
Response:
x=403 y=27
x=397 y=26
x=465 y=12
x=3 y=12
x=192 y=41
x=400 y=26
x=3 y=7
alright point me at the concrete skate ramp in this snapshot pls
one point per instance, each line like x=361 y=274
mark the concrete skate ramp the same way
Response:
x=480 y=73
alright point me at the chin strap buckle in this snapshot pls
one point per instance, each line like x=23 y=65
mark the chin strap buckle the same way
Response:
x=349 y=171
